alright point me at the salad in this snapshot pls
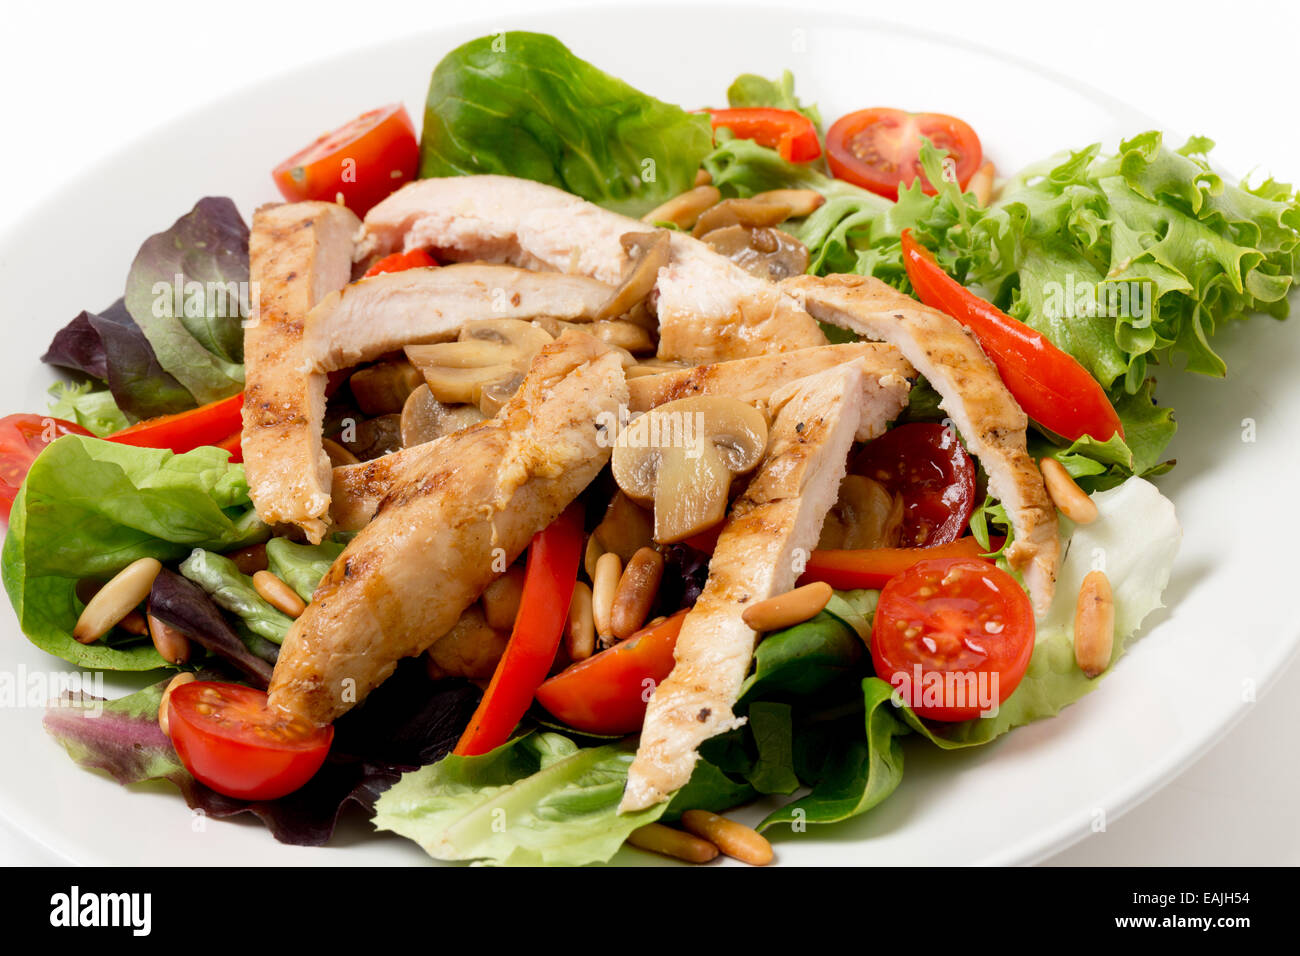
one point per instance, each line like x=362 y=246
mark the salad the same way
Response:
x=586 y=467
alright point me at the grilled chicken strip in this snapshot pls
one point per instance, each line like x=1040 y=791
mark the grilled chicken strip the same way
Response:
x=755 y=380
x=984 y=412
x=778 y=517
x=298 y=254
x=709 y=308
x=470 y=505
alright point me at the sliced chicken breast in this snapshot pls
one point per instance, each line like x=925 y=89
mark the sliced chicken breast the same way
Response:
x=298 y=254
x=755 y=380
x=778 y=518
x=709 y=308
x=468 y=508
x=985 y=413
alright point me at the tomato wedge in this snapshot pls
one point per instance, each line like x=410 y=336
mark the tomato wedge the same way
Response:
x=549 y=578
x=230 y=740
x=360 y=163
x=22 y=438
x=925 y=464
x=879 y=149
x=608 y=692
x=849 y=570
x=211 y=424
x=1050 y=385
x=400 y=262
x=954 y=636
x=789 y=132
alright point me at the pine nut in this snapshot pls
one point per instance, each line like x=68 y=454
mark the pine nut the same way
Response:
x=683 y=210
x=278 y=594
x=501 y=599
x=169 y=642
x=703 y=177
x=186 y=677
x=1094 y=624
x=734 y=839
x=786 y=610
x=636 y=592
x=666 y=841
x=116 y=599
x=1072 y=500
x=580 y=634
x=604 y=583
x=249 y=560
x=801 y=202
x=134 y=623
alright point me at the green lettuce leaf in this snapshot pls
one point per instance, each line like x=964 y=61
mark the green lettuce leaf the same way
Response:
x=750 y=90
x=536 y=800
x=301 y=566
x=233 y=591
x=93 y=409
x=89 y=508
x=521 y=104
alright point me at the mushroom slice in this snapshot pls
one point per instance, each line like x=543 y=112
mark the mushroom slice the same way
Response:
x=741 y=212
x=490 y=355
x=625 y=529
x=682 y=457
x=866 y=516
x=383 y=388
x=649 y=253
x=766 y=253
x=628 y=336
x=424 y=418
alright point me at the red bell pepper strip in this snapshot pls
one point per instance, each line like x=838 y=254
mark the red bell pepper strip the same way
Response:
x=848 y=570
x=209 y=424
x=608 y=692
x=790 y=133
x=234 y=446
x=400 y=262
x=549 y=578
x=1050 y=385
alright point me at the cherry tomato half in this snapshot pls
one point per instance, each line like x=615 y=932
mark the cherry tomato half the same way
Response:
x=925 y=464
x=230 y=740
x=22 y=438
x=879 y=149
x=363 y=161
x=608 y=692
x=963 y=627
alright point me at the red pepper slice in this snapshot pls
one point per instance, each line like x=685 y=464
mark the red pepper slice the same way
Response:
x=1050 y=385
x=549 y=577
x=400 y=262
x=209 y=424
x=234 y=445
x=848 y=570
x=790 y=133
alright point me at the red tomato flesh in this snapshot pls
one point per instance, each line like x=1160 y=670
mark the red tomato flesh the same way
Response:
x=879 y=149
x=954 y=635
x=362 y=162
x=608 y=692
x=230 y=740
x=22 y=438
x=925 y=464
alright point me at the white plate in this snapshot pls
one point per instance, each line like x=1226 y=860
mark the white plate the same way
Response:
x=1229 y=628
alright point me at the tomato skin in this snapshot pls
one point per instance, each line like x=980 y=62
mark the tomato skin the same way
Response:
x=241 y=747
x=850 y=570
x=22 y=438
x=925 y=464
x=879 y=148
x=606 y=693
x=1048 y=383
x=400 y=262
x=957 y=617
x=383 y=154
x=789 y=132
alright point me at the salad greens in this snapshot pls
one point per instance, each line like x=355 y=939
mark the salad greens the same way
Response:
x=233 y=590
x=301 y=566
x=89 y=508
x=521 y=104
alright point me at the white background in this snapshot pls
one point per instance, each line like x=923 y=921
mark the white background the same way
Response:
x=80 y=81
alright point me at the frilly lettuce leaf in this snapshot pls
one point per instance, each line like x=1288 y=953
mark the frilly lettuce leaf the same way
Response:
x=91 y=408
x=750 y=90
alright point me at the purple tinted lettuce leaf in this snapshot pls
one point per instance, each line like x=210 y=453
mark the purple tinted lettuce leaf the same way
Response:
x=182 y=604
